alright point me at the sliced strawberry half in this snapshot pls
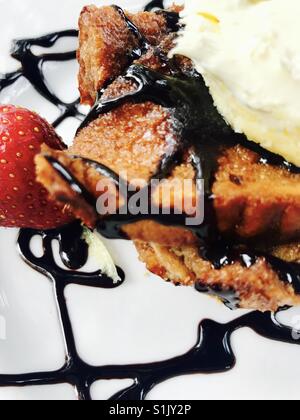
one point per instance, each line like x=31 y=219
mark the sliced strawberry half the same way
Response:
x=23 y=201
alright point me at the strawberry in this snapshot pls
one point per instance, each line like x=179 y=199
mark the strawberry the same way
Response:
x=23 y=201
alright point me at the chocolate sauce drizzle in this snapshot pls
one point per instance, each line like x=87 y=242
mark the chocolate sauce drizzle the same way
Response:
x=155 y=5
x=32 y=70
x=202 y=130
x=142 y=43
x=212 y=352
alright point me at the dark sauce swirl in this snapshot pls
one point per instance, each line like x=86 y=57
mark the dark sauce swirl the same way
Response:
x=155 y=5
x=172 y=18
x=32 y=70
x=213 y=351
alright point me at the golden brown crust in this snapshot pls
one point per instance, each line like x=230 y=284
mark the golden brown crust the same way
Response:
x=131 y=139
x=289 y=252
x=60 y=191
x=253 y=199
x=105 y=43
x=258 y=287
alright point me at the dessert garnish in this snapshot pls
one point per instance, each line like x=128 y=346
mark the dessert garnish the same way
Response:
x=23 y=201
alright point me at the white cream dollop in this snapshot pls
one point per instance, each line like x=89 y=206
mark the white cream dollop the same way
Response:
x=249 y=55
x=98 y=251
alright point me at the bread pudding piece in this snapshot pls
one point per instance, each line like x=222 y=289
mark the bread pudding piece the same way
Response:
x=106 y=44
x=252 y=201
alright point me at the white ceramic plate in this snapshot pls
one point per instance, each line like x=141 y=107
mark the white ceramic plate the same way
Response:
x=145 y=320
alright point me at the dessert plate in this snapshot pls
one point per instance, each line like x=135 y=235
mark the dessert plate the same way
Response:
x=142 y=321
